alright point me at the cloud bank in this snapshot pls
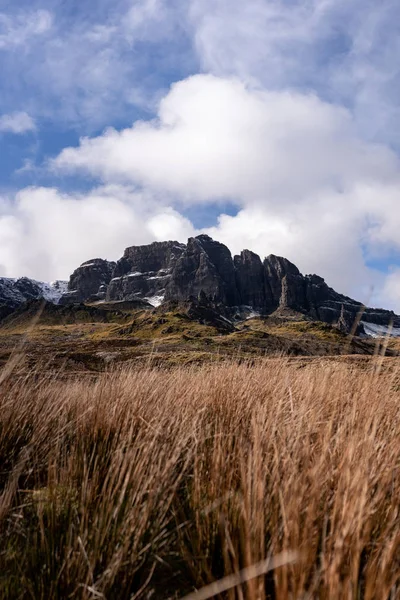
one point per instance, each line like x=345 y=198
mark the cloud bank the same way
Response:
x=308 y=186
x=45 y=234
x=290 y=113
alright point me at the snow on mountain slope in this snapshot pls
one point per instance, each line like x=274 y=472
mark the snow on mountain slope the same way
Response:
x=14 y=292
x=54 y=290
x=377 y=331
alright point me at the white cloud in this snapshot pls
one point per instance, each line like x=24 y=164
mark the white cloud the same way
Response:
x=215 y=138
x=45 y=234
x=390 y=293
x=309 y=188
x=17 y=122
x=17 y=30
x=344 y=51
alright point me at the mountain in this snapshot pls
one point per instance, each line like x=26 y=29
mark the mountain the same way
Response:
x=238 y=286
x=15 y=292
x=204 y=269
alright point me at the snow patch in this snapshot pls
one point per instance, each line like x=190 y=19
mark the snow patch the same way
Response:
x=377 y=331
x=49 y=291
x=155 y=300
x=53 y=291
x=253 y=314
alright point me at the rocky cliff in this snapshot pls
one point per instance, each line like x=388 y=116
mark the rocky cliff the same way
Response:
x=203 y=269
x=144 y=272
x=89 y=281
x=204 y=266
x=170 y=271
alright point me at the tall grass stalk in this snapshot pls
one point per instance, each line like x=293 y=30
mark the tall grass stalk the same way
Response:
x=153 y=484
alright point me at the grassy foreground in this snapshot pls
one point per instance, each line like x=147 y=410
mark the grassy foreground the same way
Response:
x=153 y=484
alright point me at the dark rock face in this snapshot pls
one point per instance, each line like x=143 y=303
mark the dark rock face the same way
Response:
x=204 y=270
x=205 y=266
x=144 y=271
x=286 y=284
x=202 y=310
x=380 y=316
x=251 y=281
x=89 y=281
x=14 y=292
x=159 y=256
x=348 y=323
x=325 y=304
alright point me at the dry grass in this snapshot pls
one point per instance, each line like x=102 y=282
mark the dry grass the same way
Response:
x=152 y=484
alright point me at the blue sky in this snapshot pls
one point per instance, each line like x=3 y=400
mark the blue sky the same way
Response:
x=272 y=125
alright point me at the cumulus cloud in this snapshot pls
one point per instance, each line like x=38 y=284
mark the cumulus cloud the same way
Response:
x=308 y=186
x=215 y=138
x=17 y=122
x=45 y=234
x=344 y=51
x=390 y=292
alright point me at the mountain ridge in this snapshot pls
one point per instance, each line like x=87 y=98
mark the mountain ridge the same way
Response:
x=204 y=268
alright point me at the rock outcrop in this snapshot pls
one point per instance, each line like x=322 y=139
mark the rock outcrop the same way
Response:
x=203 y=271
x=285 y=282
x=89 y=281
x=144 y=272
x=252 y=285
x=205 y=266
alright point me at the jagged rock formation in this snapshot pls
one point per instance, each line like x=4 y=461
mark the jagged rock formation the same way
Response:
x=251 y=281
x=204 y=266
x=145 y=271
x=285 y=283
x=202 y=310
x=89 y=281
x=204 y=270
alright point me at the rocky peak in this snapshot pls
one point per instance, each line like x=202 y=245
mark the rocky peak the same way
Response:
x=144 y=272
x=203 y=269
x=205 y=266
x=286 y=284
x=280 y=265
x=15 y=292
x=89 y=281
x=149 y=258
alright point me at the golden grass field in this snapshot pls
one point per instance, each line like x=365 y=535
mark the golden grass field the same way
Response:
x=279 y=479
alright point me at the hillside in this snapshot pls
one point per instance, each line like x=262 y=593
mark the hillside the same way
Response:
x=94 y=337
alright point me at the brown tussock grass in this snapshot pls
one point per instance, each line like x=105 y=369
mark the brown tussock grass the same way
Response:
x=154 y=484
